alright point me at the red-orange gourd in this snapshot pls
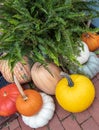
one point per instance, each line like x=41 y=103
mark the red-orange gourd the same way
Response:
x=91 y=39
x=29 y=105
x=8 y=95
x=46 y=78
x=20 y=70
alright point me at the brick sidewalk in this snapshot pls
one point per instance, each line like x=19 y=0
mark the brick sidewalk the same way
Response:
x=63 y=120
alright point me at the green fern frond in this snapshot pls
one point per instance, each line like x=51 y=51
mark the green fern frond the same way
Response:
x=45 y=30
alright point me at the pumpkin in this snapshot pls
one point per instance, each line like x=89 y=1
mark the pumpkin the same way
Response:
x=44 y=115
x=46 y=78
x=29 y=102
x=8 y=95
x=84 y=53
x=75 y=93
x=91 y=67
x=91 y=39
x=20 y=70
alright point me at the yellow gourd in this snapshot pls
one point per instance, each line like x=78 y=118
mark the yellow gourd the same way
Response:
x=75 y=93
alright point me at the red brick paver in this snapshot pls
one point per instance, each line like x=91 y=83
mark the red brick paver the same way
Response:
x=90 y=124
x=63 y=120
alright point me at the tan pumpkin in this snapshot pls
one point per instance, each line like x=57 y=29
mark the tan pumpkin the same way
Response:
x=46 y=78
x=20 y=70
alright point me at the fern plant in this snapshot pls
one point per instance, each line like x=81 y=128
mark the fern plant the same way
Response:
x=44 y=30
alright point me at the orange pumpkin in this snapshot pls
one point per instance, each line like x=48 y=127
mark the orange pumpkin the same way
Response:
x=8 y=96
x=46 y=78
x=91 y=39
x=29 y=104
x=21 y=71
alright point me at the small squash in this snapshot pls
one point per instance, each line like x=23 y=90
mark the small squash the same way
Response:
x=44 y=115
x=91 y=67
x=20 y=70
x=8 y=95
x=75 y=93
x=84 y=53
x=29 y=102
x=46 y=78
x=91 y=39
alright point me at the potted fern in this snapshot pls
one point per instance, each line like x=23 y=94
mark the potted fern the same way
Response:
x=45 y=31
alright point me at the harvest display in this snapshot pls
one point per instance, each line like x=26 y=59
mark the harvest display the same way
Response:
x=52 y=47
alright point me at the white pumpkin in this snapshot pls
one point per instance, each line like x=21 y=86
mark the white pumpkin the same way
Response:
x=84 y=54
x=91 y=67
x=44 y=115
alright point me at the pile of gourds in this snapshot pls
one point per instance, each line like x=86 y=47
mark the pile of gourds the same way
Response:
x=36 y=108
x=73 y=92
x=90 y=67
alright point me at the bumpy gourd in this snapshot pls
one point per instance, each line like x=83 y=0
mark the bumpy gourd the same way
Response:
x=75 y=93
x=91 y=67
x=44 y=115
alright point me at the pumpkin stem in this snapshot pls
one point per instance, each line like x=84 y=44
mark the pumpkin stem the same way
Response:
x=5 y=94
x=20 y=88
x=70 y=82
x=87 y=35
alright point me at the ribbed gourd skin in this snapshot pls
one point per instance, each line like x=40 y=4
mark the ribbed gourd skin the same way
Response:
x=21 y=71
x=44 y=79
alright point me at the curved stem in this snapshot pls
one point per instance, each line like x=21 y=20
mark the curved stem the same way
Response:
x=70 y=82
x=20 y=88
